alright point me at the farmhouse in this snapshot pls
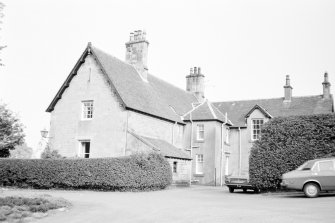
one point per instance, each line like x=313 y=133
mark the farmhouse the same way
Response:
x=108 y=107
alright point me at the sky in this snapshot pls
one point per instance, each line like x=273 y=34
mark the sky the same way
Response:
x=244 y=48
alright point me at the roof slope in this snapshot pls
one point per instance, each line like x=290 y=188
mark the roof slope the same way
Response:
x=308 y=105
x=162 y=147
x=155 y=97
x=205 y=112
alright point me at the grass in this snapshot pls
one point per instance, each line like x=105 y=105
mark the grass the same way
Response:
x=18 y=208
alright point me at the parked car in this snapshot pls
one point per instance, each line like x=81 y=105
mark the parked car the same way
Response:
x=239 y=182
x=312 y=177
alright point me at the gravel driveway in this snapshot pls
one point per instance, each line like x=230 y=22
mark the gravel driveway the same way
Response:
x=194 y=204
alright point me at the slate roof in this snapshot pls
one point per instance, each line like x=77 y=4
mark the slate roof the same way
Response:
x=163 y=147
x=276 y=107
x=205 y=112
x=155 y=97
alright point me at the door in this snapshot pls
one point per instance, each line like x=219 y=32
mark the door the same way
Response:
x=326 y=175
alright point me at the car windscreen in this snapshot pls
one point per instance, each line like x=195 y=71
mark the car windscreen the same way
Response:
x=306 y=166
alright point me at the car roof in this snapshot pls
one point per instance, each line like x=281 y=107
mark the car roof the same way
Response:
x=323 y=159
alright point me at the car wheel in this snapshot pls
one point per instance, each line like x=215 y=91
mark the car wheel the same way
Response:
x=244 y=190
x=231 y=190
x=256 y=190
x=311 y=190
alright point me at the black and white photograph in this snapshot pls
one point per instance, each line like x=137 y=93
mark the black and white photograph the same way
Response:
x=151 y=111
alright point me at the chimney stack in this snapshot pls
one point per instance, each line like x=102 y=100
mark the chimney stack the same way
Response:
x=137 y=52
x=195 y=83
x=326 y=87
x=288 y=90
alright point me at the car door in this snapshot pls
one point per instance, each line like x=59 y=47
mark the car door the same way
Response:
x=326 y=175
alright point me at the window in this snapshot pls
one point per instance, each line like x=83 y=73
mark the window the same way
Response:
x=326 y=165
x=199 y=165
x=85 y=149
x=200 y=132
x=227 y=136
x=87 y=109
x=174 y=168
x=256 y=128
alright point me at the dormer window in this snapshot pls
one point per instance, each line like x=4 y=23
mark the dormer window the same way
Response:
x=87 y=110
x=200 y=132
x=256 y=127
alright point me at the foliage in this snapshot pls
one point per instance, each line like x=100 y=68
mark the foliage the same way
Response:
x=49 y=153
x=136 y=172
x=288 y=142
x=21 y=152
x=15 y=207
x=11 y=131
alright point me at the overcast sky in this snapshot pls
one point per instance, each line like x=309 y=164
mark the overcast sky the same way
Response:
x=244 y=48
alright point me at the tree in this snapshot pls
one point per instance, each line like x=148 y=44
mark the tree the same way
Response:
x=286 y=143
x=21 y=152
x=2 y=6
x=11 y=131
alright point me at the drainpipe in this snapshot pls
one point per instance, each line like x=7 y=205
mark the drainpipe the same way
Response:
x=173 y=132
x=240 y=152
x=191 y=140
x=125 y=149
x=221 y=163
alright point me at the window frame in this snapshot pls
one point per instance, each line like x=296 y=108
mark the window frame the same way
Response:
x=199 y=159
x=199 y=126
x=174 y=167
x=258 y=131
x=85 y=110
x=82 y=149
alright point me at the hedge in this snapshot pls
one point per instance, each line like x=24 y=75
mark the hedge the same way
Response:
x=288 y=142
x=136 y=172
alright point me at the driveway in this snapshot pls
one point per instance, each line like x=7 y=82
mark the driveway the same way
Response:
x=194 y=204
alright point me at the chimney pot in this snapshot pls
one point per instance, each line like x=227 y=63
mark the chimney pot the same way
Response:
x=288 y=89
x=326 y=86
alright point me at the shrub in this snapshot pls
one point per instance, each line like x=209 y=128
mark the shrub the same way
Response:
x=136 y=172
x=48 y=153
x=288 y=142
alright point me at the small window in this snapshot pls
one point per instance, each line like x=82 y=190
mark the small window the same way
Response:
x=85 y=149
x=256 y=128
x=227 y=136
x=200 y=132
x=326 y=165
x=87 y=109
x=199 y=165
x=175 y=164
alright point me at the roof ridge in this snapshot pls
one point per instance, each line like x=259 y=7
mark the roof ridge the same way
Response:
x=166 y=82
x=114 y=57
x=258 y=99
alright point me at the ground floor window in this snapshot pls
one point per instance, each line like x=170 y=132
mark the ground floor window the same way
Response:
x=85 y=149
x=199 y=165
x=174 y=168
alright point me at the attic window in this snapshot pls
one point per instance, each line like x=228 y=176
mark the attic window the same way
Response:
x=87 y=110
x=256 y=128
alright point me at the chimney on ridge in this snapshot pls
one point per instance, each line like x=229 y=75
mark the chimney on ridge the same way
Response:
x=195 y=83
x=326 y=87
x=288 y=90
x=137 y=52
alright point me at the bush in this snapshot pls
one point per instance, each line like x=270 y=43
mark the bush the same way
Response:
x=136 y=172
x=288 y=142
x=48 y=153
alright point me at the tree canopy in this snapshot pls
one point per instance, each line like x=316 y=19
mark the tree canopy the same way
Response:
x=11 y=131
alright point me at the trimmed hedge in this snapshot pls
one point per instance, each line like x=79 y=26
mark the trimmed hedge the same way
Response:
x=288 y=142
x=136 y=172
